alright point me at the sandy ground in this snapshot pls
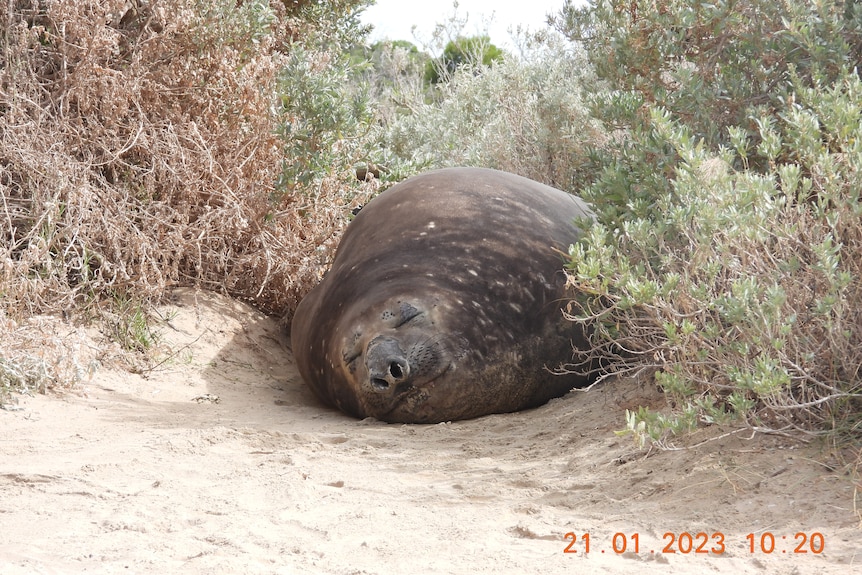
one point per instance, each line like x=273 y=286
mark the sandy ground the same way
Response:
x=150 y=474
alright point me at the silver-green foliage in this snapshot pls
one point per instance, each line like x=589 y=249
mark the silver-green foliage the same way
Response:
x=741 y=288
x=324 y=117
x=729 y=254
x=524 y=115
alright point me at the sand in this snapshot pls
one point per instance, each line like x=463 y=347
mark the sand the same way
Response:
x=220 y=460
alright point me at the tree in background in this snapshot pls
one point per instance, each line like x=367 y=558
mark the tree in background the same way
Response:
x=472 y=52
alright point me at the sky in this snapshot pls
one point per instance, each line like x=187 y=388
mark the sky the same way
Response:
x=393 y=19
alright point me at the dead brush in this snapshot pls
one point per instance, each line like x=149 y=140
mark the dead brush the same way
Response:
x=138 y=152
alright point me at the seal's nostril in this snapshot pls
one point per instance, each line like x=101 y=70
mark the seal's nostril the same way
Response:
x=379 y=384
x=395 y=370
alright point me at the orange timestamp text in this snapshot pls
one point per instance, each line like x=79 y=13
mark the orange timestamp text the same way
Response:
x=701 y=543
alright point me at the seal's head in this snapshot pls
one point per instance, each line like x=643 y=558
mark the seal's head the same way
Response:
x=398 y=356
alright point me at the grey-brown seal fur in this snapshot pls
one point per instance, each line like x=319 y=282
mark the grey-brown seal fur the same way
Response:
x=443 y=301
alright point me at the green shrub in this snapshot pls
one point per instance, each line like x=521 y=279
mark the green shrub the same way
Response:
x=728 y=256
x=712 y=65
x=325 y=117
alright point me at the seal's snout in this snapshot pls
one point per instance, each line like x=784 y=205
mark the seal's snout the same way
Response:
x=387 y=364
x=394 y=374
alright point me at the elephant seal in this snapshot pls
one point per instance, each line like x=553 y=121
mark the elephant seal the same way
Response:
x=443 y=301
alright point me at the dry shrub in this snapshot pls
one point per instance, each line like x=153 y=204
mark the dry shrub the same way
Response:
x=138 y=152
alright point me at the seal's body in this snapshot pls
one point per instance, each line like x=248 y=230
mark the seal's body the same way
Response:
x=443 y=301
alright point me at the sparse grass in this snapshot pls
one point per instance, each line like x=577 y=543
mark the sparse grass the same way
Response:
x=132 y=328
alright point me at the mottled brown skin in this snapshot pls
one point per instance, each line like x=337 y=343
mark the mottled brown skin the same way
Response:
x=443 y=301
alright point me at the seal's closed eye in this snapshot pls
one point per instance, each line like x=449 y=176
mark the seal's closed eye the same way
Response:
x=408 y=312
